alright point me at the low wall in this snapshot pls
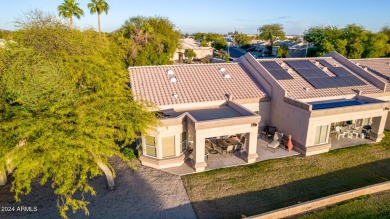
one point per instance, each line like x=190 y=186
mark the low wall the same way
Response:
x=322 y=202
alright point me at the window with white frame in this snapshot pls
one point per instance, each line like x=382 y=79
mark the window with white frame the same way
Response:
x=150 y=144
x=321 y=134
x=183 y=141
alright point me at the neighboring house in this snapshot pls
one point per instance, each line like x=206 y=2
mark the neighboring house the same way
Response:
x=189 y=43
x=305 y=97
x=296 y=49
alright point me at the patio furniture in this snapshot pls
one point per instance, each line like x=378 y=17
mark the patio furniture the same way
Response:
x=263 y=132
x=271 y=132
x=230 y=149
x=357 y=132
x=278 y=137
x=340 y=132
x=367 y=130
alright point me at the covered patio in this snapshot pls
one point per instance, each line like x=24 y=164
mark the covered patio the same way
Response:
x=347 y=142
x=217 y=161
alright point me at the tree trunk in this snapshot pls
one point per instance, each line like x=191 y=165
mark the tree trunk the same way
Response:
x=3 y=178
x=109 y=175
x=71 y=21
x=99 y=24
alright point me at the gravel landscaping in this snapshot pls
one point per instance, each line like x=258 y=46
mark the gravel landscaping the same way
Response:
x=145 y=193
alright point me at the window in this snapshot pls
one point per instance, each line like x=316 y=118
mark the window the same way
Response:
x=359 y=122
x=168 y=146
x=321 y=134
x=366 y=121
x=150 y=144
x=183 y=141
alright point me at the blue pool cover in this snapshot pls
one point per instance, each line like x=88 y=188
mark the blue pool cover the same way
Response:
x=338 y=104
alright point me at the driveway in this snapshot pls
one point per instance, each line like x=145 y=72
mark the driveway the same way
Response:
x=145 y=193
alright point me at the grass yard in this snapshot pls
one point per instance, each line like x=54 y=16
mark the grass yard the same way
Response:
x=269 y=185
x=372 y=206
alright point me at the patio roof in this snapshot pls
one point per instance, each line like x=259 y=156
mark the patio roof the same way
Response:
x=225 y=111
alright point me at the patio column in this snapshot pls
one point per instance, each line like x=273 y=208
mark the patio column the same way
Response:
x=199 y=152
x=377 y=127
x=251 y=145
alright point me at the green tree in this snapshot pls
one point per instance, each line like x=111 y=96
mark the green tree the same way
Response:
x=98 y=6
x=356 y=36
x=65 y=108
x=242 y=39
x=189 y=54
x=147 y=29
x=204 y=43
x=160 y=47
x=386 y=30
x=282 y=51
x=376 y=45
x=271 y=32
x=68 y=9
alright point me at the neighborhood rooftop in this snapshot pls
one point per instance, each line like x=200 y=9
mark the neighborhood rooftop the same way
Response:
x=291 y=74
x=379 y=67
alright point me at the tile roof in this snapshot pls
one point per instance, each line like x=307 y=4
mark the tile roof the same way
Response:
x=195 y=83
x=379 y=67
x=296 y=87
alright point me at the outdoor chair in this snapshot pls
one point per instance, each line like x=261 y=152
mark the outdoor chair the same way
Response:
x=357 y=132
x=278 y=138
x=340 y=132
x=230 y=149
x=271 y=132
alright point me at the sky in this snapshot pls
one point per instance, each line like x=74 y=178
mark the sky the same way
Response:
x=219 y=16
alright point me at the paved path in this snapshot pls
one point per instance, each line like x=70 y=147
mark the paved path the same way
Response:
x=145 y=193
x=235 y=53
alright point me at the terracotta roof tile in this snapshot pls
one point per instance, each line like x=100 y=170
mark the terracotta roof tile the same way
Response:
x=379 y=67
x=195 y=83
x=296 y=87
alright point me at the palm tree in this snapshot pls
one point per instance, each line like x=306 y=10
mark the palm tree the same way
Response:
x=146 y=28
x=98 y=6
x=68 y=9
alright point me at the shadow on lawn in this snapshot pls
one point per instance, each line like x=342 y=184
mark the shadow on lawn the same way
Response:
x=257 y=202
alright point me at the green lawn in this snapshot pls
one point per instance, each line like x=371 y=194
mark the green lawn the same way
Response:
x=373 y=206
x=269 y=185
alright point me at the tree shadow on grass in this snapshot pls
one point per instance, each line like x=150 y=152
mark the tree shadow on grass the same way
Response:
x=257 y=202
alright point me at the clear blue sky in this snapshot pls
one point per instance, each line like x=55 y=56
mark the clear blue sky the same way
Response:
x=221 y=16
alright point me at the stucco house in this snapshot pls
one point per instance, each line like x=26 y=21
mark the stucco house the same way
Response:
x=189 y=43
x=304 y=97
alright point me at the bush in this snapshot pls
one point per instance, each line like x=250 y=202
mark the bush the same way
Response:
x=204 y=60
x=129 y=153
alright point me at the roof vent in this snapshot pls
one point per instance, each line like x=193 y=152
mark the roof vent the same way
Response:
x=316 y=63
x=365 y=68
x=173 y=79
x=307 y=89
x=226 y=75
x=170 y=72
x=175 y=96
x=388 y=63
x=357 y=63
x=325 y=68
x=222 y=69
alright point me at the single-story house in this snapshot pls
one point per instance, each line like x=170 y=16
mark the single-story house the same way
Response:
x=305 y=97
